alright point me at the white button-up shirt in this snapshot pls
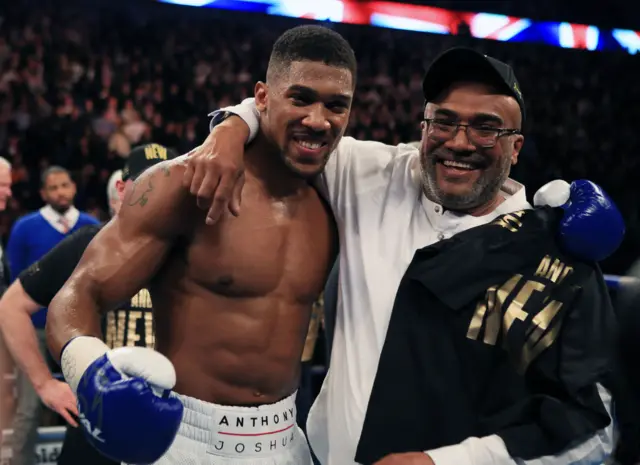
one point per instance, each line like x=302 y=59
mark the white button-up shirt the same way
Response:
x=383 y=218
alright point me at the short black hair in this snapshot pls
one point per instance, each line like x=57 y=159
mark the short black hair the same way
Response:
x=311 y=43
x=52 y=170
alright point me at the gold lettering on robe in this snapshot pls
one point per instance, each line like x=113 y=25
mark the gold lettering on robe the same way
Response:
x=555 y=271
x=489 y=312
x=110 y=330
x=142 y=300
x=132 y=330
x=515 y=309
x=538 y=341
x=131 y=327
x=478 y=315
x=511 y=221
x=543 y=328
x=120 y=322
x=149 y=334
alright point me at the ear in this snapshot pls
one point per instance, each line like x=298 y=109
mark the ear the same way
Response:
x=261 y=93
x=517 y=146
x=120 y=188
x=43 y=195
x=427 y=113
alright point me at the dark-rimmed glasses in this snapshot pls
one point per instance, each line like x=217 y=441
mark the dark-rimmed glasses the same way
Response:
x=479 y=135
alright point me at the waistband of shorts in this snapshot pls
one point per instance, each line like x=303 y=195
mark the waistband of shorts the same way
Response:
x=232 y=431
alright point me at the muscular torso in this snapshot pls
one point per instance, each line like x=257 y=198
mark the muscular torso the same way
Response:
x=232 y=302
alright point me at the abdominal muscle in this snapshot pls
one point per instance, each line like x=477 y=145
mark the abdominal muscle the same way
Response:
x=231 y=351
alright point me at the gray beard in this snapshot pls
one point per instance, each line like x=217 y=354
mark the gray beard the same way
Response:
x=483 y=191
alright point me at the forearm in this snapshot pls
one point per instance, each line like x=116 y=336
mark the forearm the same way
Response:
x=19 y=335
x=491 y=450
x=232 y=129
x=244 y=117
x=234 y=126
x=7 y=365
x=22 y=343
x=74 y=311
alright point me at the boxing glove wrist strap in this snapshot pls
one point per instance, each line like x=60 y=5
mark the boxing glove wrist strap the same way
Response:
x=77 y=355
x=554 y=194
x=246 y=110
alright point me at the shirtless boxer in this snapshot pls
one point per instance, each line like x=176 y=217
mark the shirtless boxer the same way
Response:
x=232 y=302
x=128 y=325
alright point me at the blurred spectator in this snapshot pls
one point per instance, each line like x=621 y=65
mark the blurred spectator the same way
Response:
x=31 y=238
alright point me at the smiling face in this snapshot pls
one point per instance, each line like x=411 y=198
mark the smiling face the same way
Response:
x=305 y=112
x=458 y=171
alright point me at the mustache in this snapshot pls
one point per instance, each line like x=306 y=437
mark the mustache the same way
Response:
x=310 y=134
x=473 y=158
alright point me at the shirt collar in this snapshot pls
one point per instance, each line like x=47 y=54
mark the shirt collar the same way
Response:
x=515 y=199
x=53 y=217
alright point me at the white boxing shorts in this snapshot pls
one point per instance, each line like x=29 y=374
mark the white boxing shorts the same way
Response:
x=212 y=434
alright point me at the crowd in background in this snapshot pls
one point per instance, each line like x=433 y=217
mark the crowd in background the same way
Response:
x=81 y=85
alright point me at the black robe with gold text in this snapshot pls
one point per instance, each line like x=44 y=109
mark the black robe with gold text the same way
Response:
x=494 y=331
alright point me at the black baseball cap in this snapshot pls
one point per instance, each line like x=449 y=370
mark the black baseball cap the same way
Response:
x=143 y=157
x=465 y=64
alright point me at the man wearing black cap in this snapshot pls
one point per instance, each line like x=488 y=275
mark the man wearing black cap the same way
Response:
x=129 y=325
x=491 y=111
x=390 y=202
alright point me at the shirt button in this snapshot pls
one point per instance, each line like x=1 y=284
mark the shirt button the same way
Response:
x=437 y=209
x=441 y=236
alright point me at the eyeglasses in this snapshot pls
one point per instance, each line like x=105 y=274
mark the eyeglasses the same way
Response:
x=478 y=134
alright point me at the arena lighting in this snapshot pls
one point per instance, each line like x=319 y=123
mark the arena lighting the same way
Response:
x=190 y=2
x=496 y=27
x=629 y=40
x=407 y=24
x=394 y=15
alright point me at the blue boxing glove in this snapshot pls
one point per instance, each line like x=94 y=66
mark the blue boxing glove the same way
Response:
x=592 y=227
x=123 y=399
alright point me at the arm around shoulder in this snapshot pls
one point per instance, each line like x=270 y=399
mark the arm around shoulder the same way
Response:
x=246 y=111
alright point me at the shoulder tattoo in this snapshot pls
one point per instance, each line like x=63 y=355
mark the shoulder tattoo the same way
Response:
x=143 y=186
x=139 y=193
